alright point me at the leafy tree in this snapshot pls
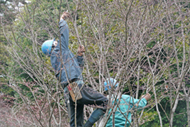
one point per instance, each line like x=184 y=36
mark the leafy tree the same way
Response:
x=144 y=45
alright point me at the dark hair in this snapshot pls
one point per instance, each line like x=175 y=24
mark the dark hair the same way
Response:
x=106 y=92
x=53 y=46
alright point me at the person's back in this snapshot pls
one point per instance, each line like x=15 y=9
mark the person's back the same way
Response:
x=122 y=114
x=121 y=105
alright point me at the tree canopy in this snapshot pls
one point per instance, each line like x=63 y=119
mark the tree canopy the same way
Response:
x=144 y=45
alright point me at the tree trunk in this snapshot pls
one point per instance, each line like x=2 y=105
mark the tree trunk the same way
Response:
x=173 y=110
x=188 y=109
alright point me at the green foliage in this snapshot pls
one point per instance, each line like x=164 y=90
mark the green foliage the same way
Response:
x=5 y=89
x=180 y=117
x=39 y=22
x=147 y=119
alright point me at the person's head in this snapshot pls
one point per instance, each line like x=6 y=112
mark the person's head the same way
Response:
x=110 y=84
x=48 y=46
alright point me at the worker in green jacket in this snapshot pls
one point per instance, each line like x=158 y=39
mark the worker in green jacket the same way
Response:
x=122 y=105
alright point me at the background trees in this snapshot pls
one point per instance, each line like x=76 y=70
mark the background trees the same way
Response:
x=142 y=44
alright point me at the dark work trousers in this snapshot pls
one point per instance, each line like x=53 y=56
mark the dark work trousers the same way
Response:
x=89 y=97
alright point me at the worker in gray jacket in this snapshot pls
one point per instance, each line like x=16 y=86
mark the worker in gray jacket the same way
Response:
x=68 y=69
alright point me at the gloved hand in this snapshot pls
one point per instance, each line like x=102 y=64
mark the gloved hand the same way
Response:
x=146 y=96
x=81 y=50
x=65 y=15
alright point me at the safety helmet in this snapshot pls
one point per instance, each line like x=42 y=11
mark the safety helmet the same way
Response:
x=109 y=83
x=47 y=46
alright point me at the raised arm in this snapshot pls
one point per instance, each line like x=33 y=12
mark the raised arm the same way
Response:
x=64 y=30
x=139 y=103
x=63 y=24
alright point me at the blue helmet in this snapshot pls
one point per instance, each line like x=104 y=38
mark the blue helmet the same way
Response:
x=47 y=46
x=109 y=83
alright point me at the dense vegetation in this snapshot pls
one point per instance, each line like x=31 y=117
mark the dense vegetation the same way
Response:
x=145 y=45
